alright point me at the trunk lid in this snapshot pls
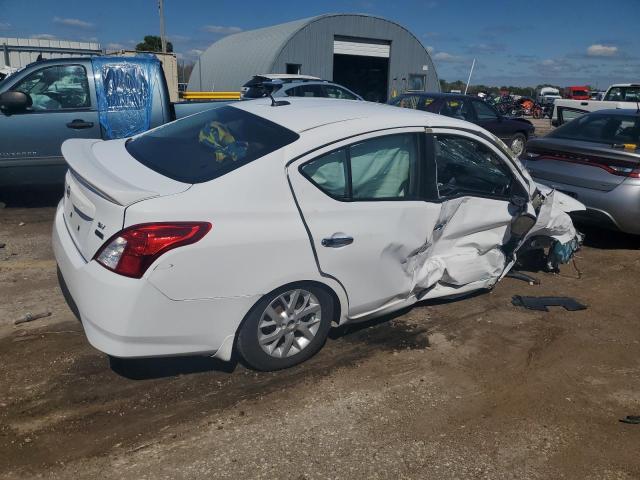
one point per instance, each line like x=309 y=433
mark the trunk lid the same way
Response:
x=577 y=163
x=102 y=181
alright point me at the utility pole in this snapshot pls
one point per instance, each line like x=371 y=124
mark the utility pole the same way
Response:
x=469 y=79
x=163 y=37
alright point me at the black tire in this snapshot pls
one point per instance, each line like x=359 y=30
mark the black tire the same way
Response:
x=249 y=347
x=519 y=137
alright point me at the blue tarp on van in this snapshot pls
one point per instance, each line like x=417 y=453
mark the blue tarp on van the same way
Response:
x=124 y=87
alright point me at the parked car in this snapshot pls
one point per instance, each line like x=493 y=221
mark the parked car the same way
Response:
x=513 y=131
x=50 y=101
x=621 y=96
x=276 y=224
x=595 y=159
x=284 y=85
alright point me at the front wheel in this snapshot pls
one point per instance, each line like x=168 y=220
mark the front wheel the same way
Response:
x=286 y=327
x=518 y=143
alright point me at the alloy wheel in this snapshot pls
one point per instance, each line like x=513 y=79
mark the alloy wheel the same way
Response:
x=289 y=323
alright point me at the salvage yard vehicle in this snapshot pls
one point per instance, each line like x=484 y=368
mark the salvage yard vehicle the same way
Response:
x=283 y=85
x=595 y=159
x=283 y=218
x=50 y=101
x=513 y=131
x=622 y=95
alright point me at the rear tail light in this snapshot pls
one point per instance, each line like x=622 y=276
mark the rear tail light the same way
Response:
x=131 y=251
x=620 y=168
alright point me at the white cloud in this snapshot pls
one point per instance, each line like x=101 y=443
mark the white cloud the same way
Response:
x=115 y=46
x=446 y=57
x=221 y=30
x=598 y=50
x=73 y=22
x=44 y=36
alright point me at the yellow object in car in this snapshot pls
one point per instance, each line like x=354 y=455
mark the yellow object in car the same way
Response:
x=215 y=136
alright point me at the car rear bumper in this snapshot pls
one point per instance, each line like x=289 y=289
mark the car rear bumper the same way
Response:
x=618 y=208
x=130 y=318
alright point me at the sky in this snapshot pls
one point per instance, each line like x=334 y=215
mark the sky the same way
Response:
x=514 y=42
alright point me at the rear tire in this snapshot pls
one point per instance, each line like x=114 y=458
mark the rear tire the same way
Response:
x=286 y=327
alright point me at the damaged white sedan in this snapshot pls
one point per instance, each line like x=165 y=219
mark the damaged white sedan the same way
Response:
x=257 y=226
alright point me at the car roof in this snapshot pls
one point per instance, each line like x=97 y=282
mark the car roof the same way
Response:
x=302 y=114
x=625 y=85
x=286 y=76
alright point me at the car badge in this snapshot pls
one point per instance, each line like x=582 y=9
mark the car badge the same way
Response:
x=68 y=191
x=101 y=225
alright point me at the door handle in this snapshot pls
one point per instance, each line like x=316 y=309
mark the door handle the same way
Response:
x=336 y=241
x=79 y=124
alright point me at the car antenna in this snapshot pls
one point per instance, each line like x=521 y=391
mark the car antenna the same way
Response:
x=277 y=103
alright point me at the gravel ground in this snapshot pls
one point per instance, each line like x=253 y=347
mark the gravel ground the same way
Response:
x=475 y=388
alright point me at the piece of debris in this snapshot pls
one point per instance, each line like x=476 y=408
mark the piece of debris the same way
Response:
x=21 y=224
x=30 y=317
x=632 y=419
x=2 y=245
x=524 y=277
x=541 y=303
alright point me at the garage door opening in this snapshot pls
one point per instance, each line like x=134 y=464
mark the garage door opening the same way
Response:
x=362 y=66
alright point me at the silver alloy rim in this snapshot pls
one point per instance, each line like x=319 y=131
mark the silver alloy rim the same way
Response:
x=517 y=146
x=289 y=324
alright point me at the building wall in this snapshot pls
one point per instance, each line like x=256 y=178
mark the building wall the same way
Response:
x=312 y=47
x=18 y=52
x=232 y=61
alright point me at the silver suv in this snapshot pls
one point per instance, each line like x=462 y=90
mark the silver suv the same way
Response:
x=282 y=85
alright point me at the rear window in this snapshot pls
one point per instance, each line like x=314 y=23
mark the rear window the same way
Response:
x=209 y=144
x=601 y=128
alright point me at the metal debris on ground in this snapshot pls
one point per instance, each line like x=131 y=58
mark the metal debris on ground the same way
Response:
x=541 y=303
x=632 y=419
x=30 y=317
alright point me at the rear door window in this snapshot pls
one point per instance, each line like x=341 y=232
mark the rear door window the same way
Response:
x=382 y=168
x=209 y=144
x=306 y=91
x=331 y=91
x=459 y=108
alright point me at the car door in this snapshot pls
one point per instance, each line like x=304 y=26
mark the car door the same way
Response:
x=488 y=118
x=64 y=106
x=363 y=202
x=481 y=192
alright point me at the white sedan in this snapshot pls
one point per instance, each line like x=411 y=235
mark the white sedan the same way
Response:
x=259 y=225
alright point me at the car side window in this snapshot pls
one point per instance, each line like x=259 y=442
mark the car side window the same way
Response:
x=459 y=108
x=468 y=167
x=382 y=168
x=306 y=91
x=484 y=111
x=59 y=87
x=331 y=91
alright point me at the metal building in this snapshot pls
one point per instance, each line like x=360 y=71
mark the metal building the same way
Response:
x=19 y=52
x=374 y=57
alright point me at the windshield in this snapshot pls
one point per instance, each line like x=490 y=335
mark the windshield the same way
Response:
x=624 y=94
x=603 y=128
x=207 y=145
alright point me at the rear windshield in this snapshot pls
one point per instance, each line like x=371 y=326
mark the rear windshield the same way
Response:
x=624 y=94
x=209 y=144
x=601 y=128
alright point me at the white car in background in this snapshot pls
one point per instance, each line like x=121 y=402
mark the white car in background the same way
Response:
x=261 y=224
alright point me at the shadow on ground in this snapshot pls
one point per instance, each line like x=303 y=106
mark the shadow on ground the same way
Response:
x=31 y=197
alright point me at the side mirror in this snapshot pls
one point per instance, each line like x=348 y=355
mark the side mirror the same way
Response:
x=14 y=101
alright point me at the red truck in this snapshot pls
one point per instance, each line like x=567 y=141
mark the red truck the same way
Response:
x=577 y=93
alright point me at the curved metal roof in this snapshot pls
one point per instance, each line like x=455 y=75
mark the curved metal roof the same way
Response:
x=235 y=59
x=243 y=55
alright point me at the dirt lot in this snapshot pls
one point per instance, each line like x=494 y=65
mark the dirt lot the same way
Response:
x=470 y=389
